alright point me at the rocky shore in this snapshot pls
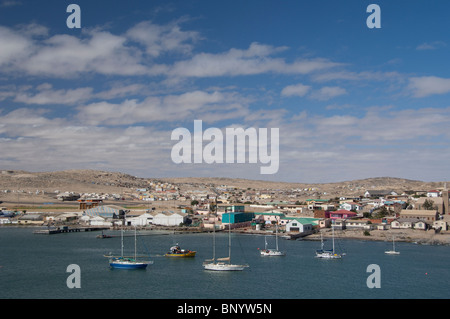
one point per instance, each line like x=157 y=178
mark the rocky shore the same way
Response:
x=401 y=235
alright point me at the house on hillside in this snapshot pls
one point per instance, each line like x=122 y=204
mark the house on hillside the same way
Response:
x=433 y=193
x=351 y=206
x=379 y=193
x=342 y=214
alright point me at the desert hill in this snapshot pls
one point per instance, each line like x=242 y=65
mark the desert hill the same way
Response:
x=89 y=181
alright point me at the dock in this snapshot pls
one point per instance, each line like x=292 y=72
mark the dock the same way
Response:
x=65 y=229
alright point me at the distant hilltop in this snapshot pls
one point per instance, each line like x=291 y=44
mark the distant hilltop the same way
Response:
x=103 y=181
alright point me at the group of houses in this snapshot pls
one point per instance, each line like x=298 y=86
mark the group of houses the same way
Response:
x=426 y=212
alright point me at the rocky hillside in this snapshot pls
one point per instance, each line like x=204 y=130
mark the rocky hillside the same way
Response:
x=102 y=181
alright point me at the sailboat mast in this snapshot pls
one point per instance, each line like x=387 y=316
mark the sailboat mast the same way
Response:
x=214 y=241
x=214 y=233
x=121 y=241
x=229 y=242
x=333 y=238
x=135 y=242
x=276 y=234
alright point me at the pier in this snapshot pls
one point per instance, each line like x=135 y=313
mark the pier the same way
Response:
x=66 y=229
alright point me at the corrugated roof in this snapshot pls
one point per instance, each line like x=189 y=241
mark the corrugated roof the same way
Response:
x=304 y=220
x=108 y=210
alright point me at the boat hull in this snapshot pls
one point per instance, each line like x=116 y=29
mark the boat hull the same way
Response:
x=181 y=255
x=125 y=263
x=392 y=252
x=270 y=252
x=327 y=255
x=128 y=265
x=224 y=267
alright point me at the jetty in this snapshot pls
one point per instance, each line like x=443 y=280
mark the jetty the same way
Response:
x=66 y=229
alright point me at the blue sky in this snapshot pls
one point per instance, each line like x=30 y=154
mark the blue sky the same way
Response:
x=350 y=102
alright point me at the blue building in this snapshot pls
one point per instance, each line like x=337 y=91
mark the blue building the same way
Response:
x=235 y=218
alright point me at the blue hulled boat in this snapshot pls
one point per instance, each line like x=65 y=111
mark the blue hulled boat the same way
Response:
x=124 y=262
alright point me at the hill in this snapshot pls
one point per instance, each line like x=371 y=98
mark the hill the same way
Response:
x=90 y=181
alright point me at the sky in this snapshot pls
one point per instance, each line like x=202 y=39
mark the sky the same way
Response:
x=349 y=101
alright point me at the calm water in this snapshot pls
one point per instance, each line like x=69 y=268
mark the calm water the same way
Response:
x=34 y=266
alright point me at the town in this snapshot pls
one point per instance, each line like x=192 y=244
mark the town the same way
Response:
x=204 y=206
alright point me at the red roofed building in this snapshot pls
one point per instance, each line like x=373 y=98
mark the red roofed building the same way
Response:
x=341 y=214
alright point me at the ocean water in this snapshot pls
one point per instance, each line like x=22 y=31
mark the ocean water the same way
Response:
x=34 y=266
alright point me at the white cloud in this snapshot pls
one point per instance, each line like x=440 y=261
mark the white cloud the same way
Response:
x=48 y=96
x=159 y=39
x=10 y=3
x=356 y=76
x=68 y=56
x=255 y=60
x=340 y=146
x=327 y=92
x=213 y=106
x=428 y=85
x=296 y=89
x=431 y=45
x=14 y=47
x=29 y=49
x=45 y=94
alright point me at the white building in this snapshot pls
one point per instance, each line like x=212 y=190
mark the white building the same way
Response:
x=433 y=193
x=169 y=219
x=295 y=225
x=351 y=206
x=141 y=220
x=99 y=221
x=5 y=220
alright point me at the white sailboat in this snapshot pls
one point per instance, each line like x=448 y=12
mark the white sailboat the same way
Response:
x=393 y=251
x=127 y=262
x=272 y=252
x=328 y=254
x=222 y=264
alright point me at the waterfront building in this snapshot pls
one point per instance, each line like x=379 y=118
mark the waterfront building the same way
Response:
x=406 y=223
x=270 y=217
x=237 y=217
x=143 y=219
x=31 y=219
x=169 y=218
x=300 y=225
x=428 y=216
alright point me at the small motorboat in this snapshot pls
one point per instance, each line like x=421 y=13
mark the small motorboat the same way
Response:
x=176 y=251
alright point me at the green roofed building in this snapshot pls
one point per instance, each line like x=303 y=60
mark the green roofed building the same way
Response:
x=304 y=224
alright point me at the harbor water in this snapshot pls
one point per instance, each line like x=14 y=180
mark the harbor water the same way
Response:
x=34 y=266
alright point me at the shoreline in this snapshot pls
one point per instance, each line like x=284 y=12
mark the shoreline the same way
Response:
x=401 y=235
